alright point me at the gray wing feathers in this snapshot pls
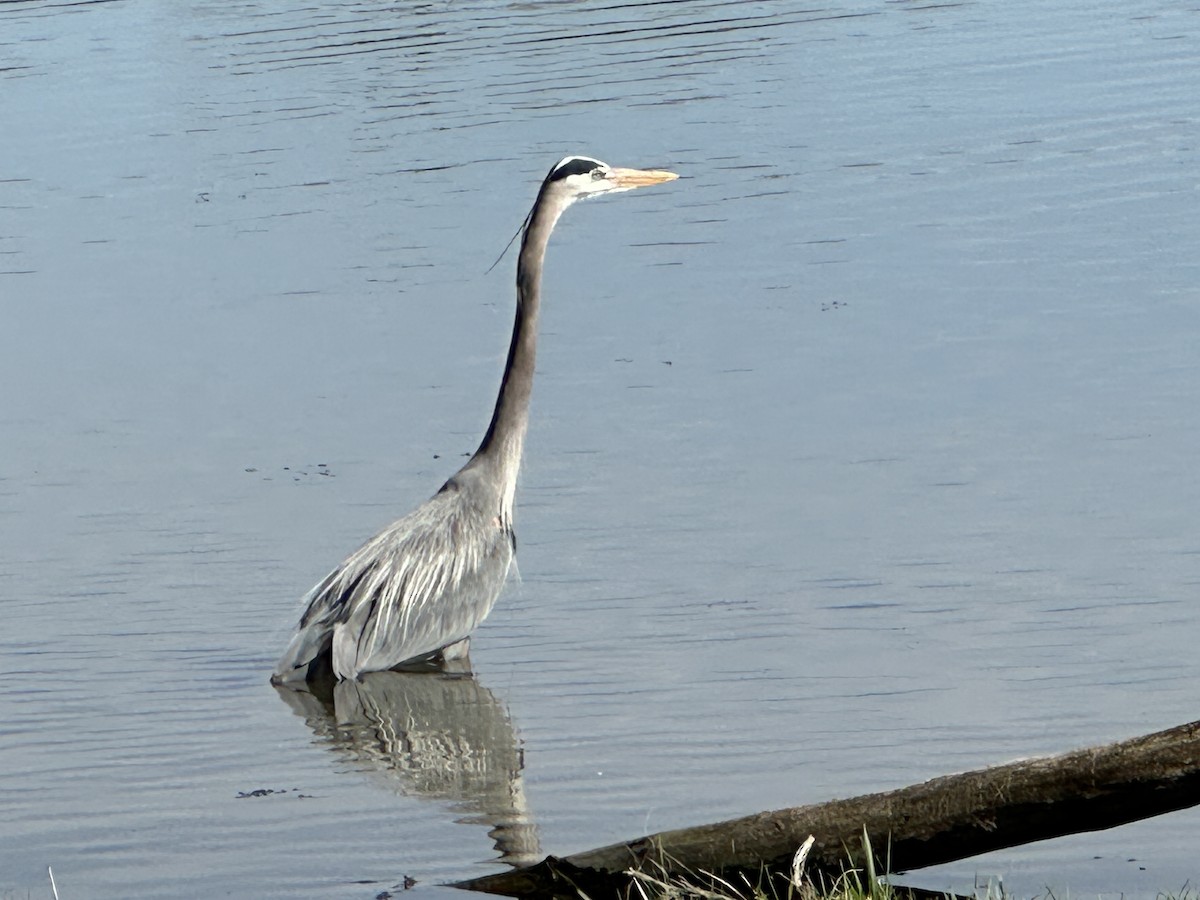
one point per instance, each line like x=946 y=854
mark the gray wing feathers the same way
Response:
x=421 y=584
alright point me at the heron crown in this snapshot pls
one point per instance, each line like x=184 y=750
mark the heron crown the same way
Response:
x=574 y=165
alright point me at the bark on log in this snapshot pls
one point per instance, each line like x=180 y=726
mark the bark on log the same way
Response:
x=946 y=819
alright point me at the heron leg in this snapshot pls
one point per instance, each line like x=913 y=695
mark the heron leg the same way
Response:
x=457 y=650
x=455 y=658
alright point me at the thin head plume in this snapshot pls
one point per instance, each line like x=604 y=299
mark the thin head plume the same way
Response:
x=519 y=232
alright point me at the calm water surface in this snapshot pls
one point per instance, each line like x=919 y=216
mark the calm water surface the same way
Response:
x=863 y=453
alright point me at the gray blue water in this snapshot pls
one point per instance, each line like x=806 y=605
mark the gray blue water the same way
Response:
x=863 y=453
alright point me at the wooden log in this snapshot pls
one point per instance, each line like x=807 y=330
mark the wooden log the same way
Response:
x=946 y=819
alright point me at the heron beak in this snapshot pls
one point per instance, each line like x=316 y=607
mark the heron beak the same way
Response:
x=636 y=178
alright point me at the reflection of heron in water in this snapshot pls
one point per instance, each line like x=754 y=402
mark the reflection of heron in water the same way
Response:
x=440 y=736
x=421 y=586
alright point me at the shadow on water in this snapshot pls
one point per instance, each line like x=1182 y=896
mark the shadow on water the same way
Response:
x=440 y=736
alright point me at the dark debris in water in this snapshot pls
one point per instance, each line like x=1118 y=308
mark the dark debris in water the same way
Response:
x=267 y=792
x=406 y=885
x=299 y=473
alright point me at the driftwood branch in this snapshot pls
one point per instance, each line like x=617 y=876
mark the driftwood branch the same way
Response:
x=949 y=818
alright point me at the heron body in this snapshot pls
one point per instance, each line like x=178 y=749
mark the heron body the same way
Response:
x=417 y=590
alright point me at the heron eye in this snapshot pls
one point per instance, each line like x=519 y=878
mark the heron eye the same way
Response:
x=597 y=174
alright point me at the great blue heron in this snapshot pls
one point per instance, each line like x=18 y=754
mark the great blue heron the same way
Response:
x=416 y=591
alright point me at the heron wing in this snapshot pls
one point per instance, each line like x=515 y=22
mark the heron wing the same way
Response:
x=424 y=582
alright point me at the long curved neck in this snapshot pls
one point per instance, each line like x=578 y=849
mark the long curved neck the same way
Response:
x=500 y=451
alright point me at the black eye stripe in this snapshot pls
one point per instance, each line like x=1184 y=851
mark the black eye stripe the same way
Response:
x=576 y=166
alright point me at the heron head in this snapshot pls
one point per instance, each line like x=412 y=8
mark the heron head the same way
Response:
x=577 y=177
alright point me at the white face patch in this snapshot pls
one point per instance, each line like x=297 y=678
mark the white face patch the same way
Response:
x=578 y=177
